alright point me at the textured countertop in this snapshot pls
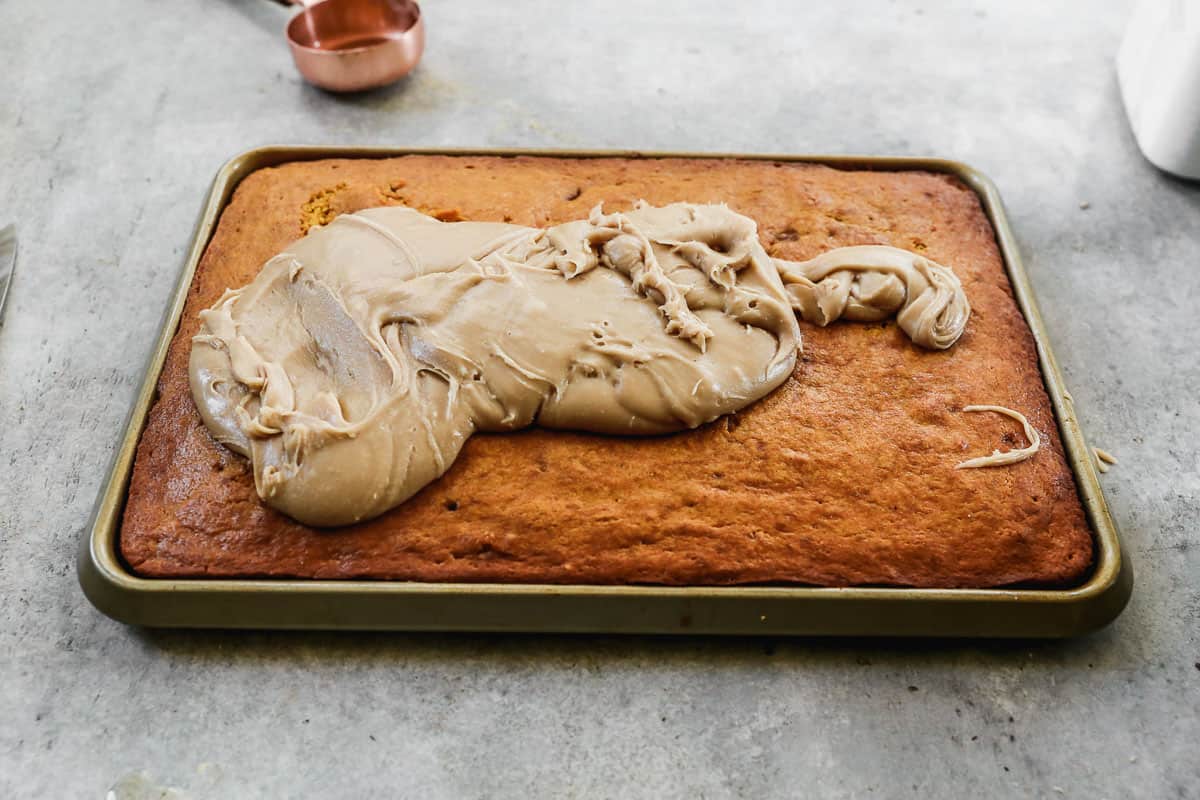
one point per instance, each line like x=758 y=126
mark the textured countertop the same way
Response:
x=114 y=118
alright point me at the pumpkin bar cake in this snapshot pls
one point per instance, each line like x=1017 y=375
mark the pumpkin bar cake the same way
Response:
x=845 y=475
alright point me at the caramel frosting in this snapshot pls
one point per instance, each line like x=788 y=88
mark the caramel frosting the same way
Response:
x=355 y=366
x=871 y=282
x=1001 y=458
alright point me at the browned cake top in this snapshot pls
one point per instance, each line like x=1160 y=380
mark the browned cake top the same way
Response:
x=842 y=476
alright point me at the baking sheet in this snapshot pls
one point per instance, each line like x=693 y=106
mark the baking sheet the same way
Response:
x=781 y=610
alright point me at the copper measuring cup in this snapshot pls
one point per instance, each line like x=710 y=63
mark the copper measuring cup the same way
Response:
x=352 y=45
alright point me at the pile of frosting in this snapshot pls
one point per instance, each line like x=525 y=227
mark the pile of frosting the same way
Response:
x=358 y=362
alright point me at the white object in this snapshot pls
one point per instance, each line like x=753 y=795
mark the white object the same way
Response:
x=1158 y=68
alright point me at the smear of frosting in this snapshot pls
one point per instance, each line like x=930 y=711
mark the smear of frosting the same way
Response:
x=1104 y=459
x=358 y=362
x=999 y=458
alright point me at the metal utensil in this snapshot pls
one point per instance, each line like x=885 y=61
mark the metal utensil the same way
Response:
x=8 y=262
x=352 y=45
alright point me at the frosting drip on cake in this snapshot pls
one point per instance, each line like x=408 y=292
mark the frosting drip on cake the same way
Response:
x=355 y=366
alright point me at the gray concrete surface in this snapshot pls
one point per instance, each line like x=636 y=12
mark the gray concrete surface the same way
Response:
x=113 y=119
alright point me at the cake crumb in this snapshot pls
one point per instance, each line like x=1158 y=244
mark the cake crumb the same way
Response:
x=448 y=215
x=1085 y=205
x=392 y=190
x=318 y=210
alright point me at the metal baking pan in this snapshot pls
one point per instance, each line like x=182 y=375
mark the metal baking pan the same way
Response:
x=780 y=610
